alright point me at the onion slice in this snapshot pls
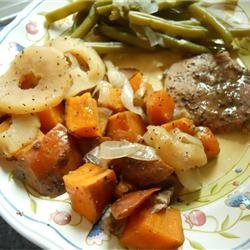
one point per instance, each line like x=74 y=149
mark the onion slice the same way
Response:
x=190 y=179
x=176 y=148
x=49 y=67
x=22 y=131
x=104 y=88
x=119 y=80
x=120 y=149
x=115 y=77
x=127 y=98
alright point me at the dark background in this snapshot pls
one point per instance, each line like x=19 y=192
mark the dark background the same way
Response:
x=10 y=239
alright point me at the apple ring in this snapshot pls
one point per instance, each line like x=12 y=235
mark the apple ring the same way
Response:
x=37 y=79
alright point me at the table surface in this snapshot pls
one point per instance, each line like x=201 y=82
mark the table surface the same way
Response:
x=10 y=239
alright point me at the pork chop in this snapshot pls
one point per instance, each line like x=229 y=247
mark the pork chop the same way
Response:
x=213 y=90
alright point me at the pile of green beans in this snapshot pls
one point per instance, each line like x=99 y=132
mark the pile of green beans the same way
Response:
x=177 y=24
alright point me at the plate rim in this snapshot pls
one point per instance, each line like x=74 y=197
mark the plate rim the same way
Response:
x=23 y=229
x=7 y=216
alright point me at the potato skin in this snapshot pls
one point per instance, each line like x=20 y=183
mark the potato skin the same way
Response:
x=142 y=173
x=44 y=164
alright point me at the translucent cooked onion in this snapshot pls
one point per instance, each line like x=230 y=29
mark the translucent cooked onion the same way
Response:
x=190 y=179
x=119 y=80
x=162 y=200
x=115 y=77
x=180 y=150
x=22 y=131
x=82 y=79
x=146 y=6
x=127 y=99
x=120 y=149
x=128 y=72
x=93 y=156
x=104 y=88
x=230 y=13
x=46 y=70
x=152 y=37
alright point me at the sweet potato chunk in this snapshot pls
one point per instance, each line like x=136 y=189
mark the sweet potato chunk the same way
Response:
x=125 y=126
x=112 y=100
x=184 y=124
x=147 y=230
x=160 y=107
x=209 y=141
x=82 y=116
x=49 y=118
x=104 y=115
x=127 y=204
x=90 y=188
x=44 y=164
x=142 y=173
x=135 y=81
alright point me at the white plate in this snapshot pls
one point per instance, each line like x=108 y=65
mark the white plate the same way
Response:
x=217 y=217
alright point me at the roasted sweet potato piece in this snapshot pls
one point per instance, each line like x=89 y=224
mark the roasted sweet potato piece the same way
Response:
x=142 y=173
x=160 y=107
x=44 y=164
x=209 y=141
x=127 y=204
x=103 y=114
x=184 y=124
x=49 y=118
x=126 y=126
x=82 y=116
x=147 y=230
x=135 y=81
x=90 y=188
x=112 y=100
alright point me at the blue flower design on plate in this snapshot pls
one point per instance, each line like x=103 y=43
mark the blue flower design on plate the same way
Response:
x=15 y=46
x=98 y=234
x=238 y=199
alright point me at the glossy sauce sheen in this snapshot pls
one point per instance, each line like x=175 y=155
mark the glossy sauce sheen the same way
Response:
x=214 y=90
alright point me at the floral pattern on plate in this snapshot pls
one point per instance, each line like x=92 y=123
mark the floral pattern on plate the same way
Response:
x=217 y=216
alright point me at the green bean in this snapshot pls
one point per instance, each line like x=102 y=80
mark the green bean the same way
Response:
x=166 y=26
x=108 y=47
x=102 y=3
x=175 y=14
x=165 y=4
x=123 y=36
x=173 y=43
x=116 y=15
x=78 y=19
x=95 y=36
x=205 y=17
x=191 y=22
x=66 y=10
x=240 y=32
x=87 y=24
x=104 y=10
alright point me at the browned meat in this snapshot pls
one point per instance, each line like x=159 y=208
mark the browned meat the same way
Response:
x=213 y=90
